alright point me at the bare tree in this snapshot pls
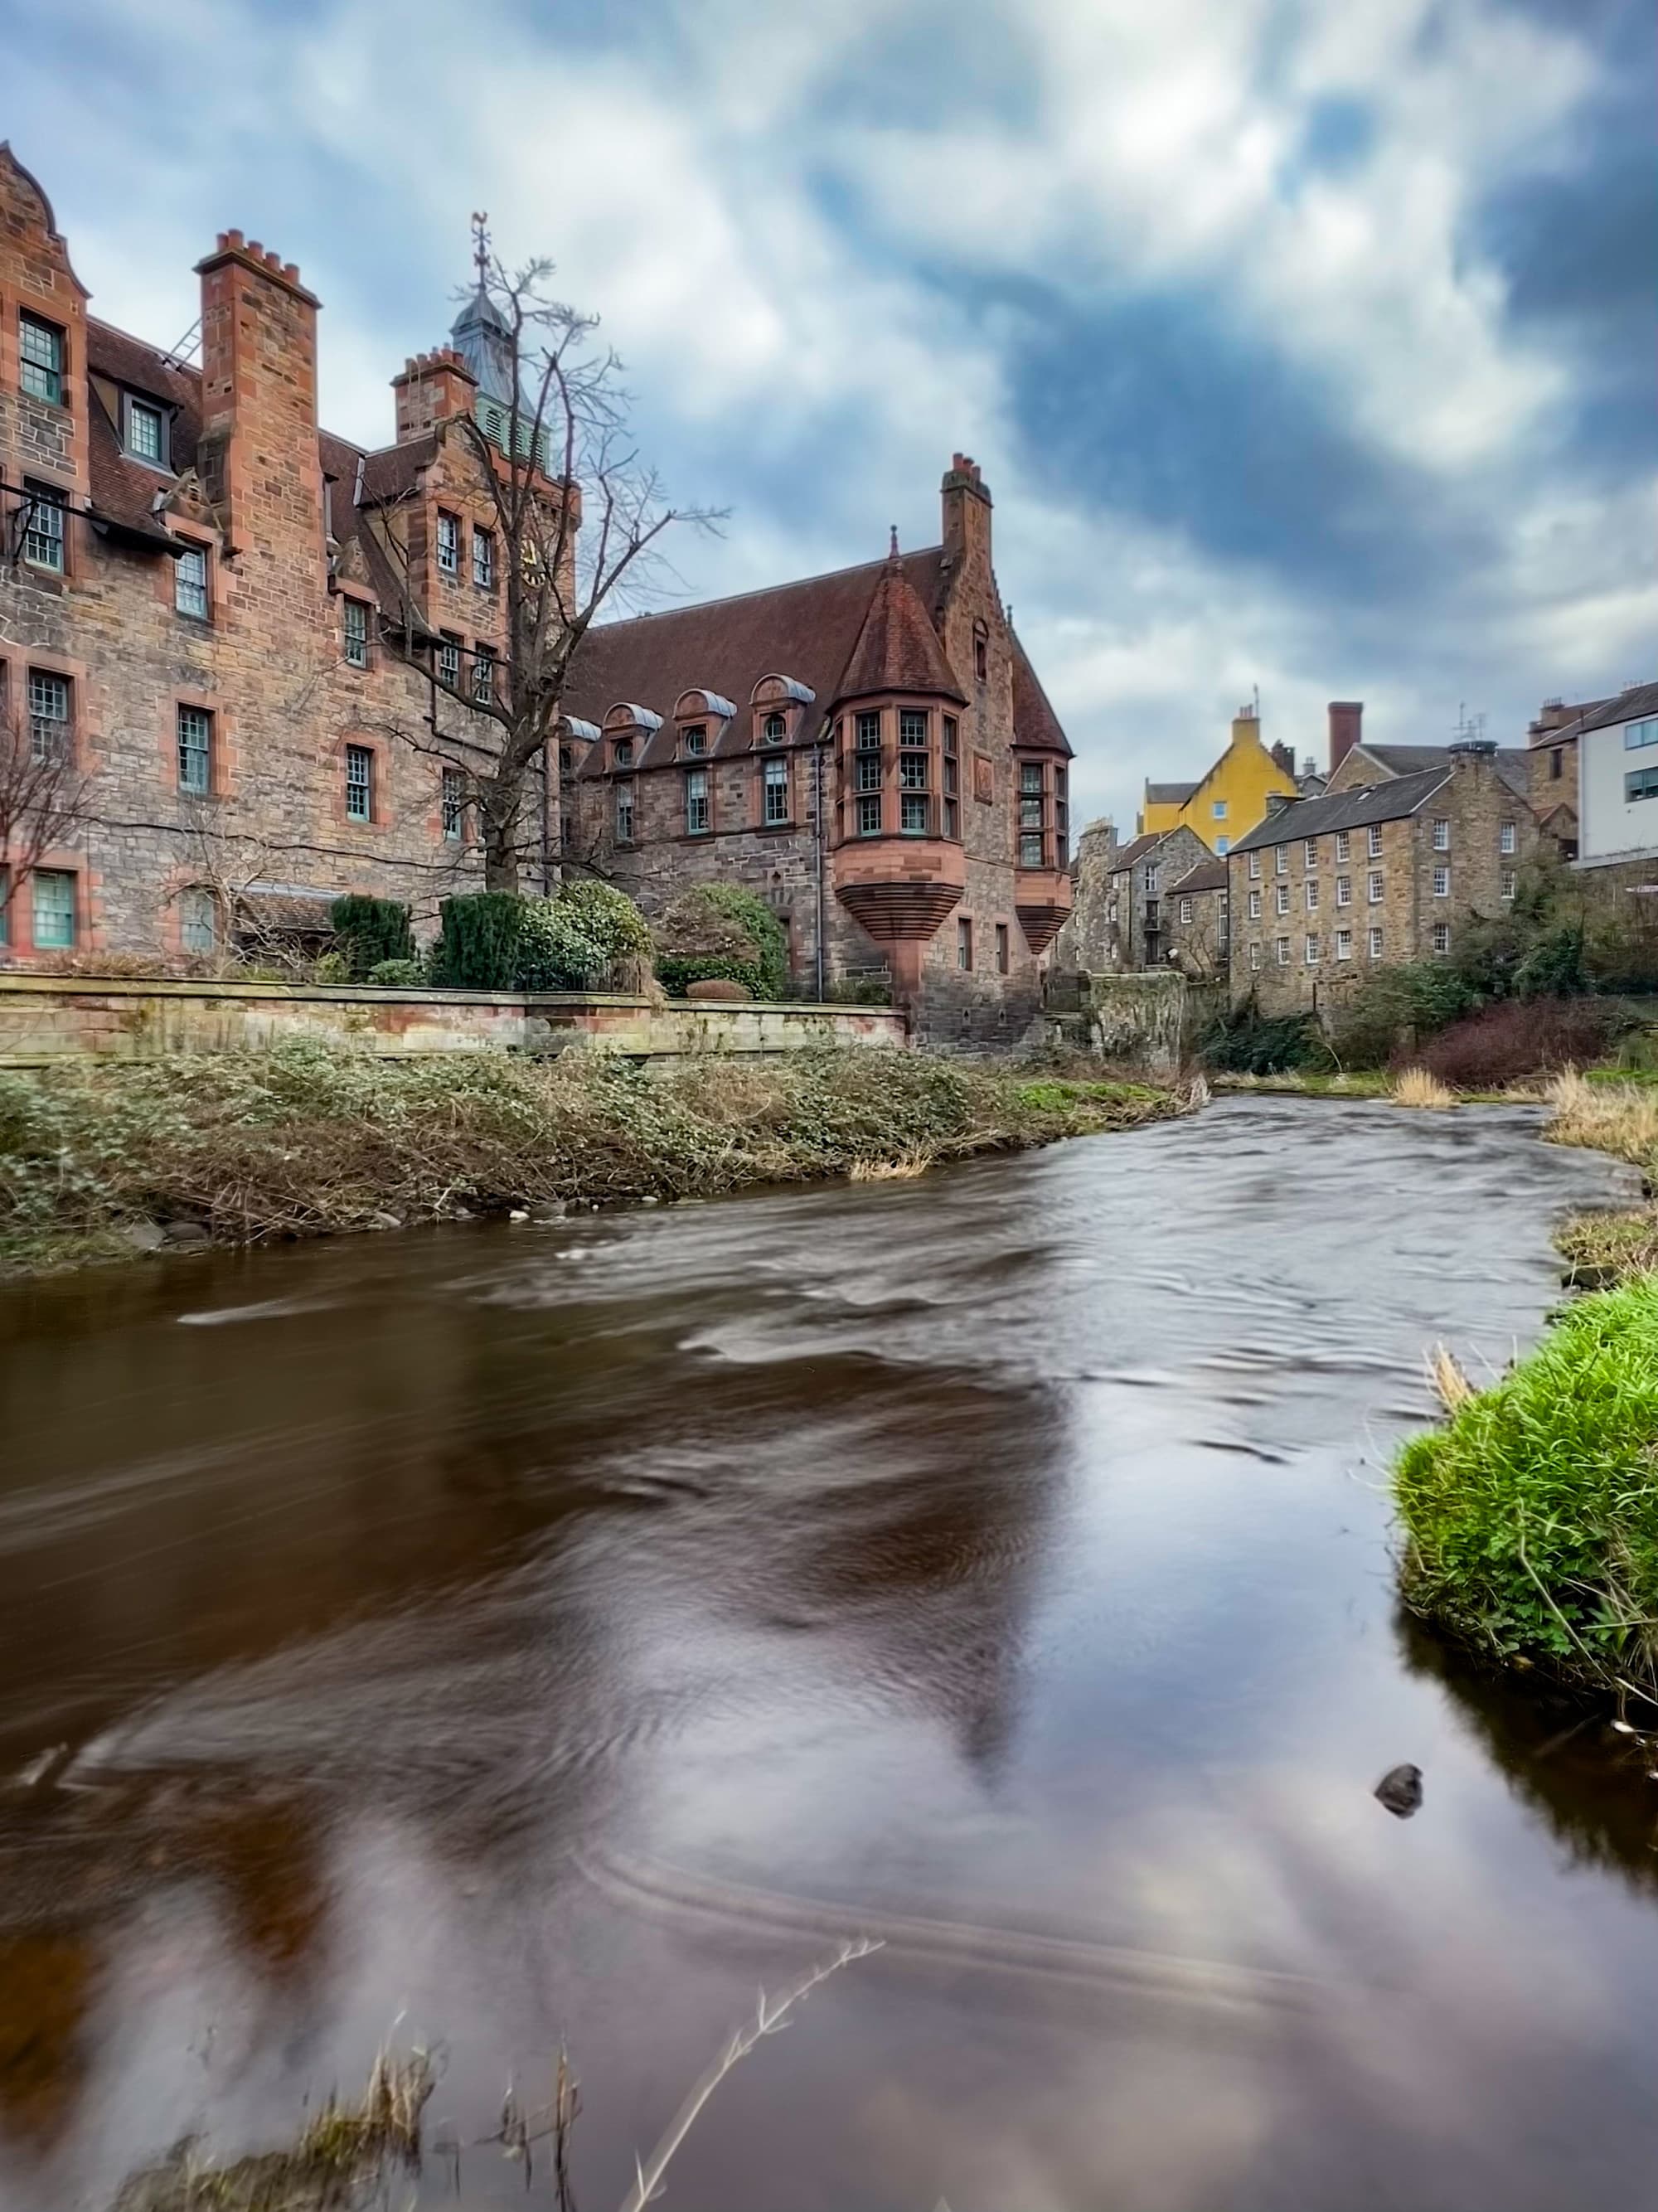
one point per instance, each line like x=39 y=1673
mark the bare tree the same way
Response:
x=43 y=803
x=577 y=517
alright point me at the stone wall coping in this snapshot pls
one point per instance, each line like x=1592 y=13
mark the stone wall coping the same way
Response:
x=140 y=986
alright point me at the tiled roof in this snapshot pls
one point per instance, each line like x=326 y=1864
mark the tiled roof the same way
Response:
x=1389 y=801
x=897 y=648
x=1136 y=849
x=1416 y=760
x=1631 y=706
x=1169 y=794
x=1207 y=876
x=1034 y=722
x=390 y=473
x=124 y=490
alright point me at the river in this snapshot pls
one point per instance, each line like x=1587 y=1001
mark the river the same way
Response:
x=499 y=1637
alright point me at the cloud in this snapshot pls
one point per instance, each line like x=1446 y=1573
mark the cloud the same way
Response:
x=1301 y=345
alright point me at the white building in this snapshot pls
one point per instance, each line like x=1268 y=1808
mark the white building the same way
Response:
x=1618 y=779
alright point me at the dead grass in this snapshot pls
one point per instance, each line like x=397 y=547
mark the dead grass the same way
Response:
x=904 y=1169
x=1620 y=1118
x=1414 y=1086
x=1451 y=1385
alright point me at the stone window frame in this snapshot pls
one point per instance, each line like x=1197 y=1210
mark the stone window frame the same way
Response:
x=1344 y=944
x=1507 y=837
x=1254 y=955
x=448 y=659
x=1440 y=938
x=698 y=817
x=1281 y=952
x=1281 y=899
x=1375 y=943
x=452 y=806
x=624 y=813
x=1315 y=952
x=483 y=558
x=447 y=537
x=1004 y=949
x=360 y=784
x=486 y=669
x=19 y=662
x=1375 y=889
x=1441 y=883
x=75 y=878
x=1344 y=846
x=353 y=637
x=194 y=736
x=775 y=781
x=1441 y=833
x=1508 y=884
x=1255 y=867
x=1309 y=852
x=193 y=892
x=1344 y=890
x=1280 y=859
x=1254 y=906
x=203 y=551
x=50 y=502
x=53 y=367
x=1311 y=889
x=136 y=403
x=380 y=797
x=43 y=686
x=1373 y=849
x=964 y=944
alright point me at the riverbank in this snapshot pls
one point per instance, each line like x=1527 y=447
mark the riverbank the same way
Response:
x=103 y=1161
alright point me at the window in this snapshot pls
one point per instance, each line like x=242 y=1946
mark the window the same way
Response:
x=776 y=729
x=869 y=816
x=360 y=783
x=952 y=818
x=1344 y=890
x=49 y=715
x=1284 y=898
x=195 y=728
x=1001 y=948
x=43 y=527
x=1375 y=944
x=1441 y=883
x=949 y=737
x=190 y=583
x=1343 y=844
x=565 y=765
x=981 y=659
x=1218 y=809
x=1442 y=937
x=1507 y=838
x=144 y=434
x=952 y=773
x=354 y=632
x=695 y=739
x=449 y=543
x=1254 y=906
x=1254 y=957
x=1281 y=952
x=869 y=733
x=5 y=905
x=964 y=943
x=624 y=812
x=1442 y=837
x=1310 y=851
x=1375 y=840
x=1186 y=911
x=1557 y=763
x=1255 y=867
x=622 y=753
x=1151 y=880
x=40 y=359
x=1222 y=846
x=54 y=910
x=483 y=674
x=1375 y=887
x=1312 y=895
x=914 y=819
x=912 y=771
x=449 y=660
x=198 y=920
x=1507 y=884
x=454 y=803
x=1031 y=779
x=776 y=790
x=696 y=802
x=1314 y=950
x=1344 y=944
x=1280 y=859
x=868 y=771
x=484 y=560
x=912 y=726
x=1638 y=734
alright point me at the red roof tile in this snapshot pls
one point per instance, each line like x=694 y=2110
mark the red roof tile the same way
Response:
x=897 y=648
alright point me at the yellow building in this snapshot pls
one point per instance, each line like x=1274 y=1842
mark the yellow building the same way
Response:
x=1226 y=804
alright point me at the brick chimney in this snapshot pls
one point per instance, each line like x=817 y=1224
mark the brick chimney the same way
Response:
x=1346 y=729
x=257 y=453
x=433 y=388
x=966 y=516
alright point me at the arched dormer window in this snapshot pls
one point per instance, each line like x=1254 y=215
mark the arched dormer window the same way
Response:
x=700 y=718
x=774 y=729
x=628 y=730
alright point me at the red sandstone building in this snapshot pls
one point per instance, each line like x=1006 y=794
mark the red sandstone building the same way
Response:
x=204 y=605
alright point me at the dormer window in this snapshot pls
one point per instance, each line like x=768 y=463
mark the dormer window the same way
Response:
x=696 y=739
x=144 y=430
x=776 y=729
x=622 y=753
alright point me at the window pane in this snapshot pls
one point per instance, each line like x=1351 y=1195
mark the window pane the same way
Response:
x=912 y=771
x=776 y=729
x=354 y=615
x=913 y=814
x=43 y=527
x=483 y=673
x=360 y=783
x=144 y=430
x=48 y=721
x=1030 y=814
x=1031 y=854
x=777 y=790
x=624 y=813
x=194 y=749
x=449 y=662
x=54 y=909
x=869 y=732
x=40 y=348
x=912 y=728
x=869 y=818
x=198 y=922
x=1031 y=775
x=448 y=543
x=869 y=772
x=696 y=800
x=190 y=583
x=454 y=802
x=483 y=559
x=950 y=734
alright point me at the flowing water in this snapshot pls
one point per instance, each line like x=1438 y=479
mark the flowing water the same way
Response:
x=500 y=1636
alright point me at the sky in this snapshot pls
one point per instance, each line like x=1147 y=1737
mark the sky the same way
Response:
x=1309 y=345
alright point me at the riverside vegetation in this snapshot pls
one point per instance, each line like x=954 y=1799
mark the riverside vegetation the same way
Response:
x=305 y=1140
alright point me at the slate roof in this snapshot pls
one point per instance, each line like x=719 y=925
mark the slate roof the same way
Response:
x=1169 y=794
x=1207 y=876
x=1345 y=810
x=1576 y=715
x=124 y=490
x=1136 y=849
x=1631 y=706
x=1415 y=760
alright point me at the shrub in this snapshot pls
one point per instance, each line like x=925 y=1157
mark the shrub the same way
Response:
x=722 y=930
x=861 y=991
x=1516 y=1038
x=1245 y=1042
x=1396 y=1007
x=1553 y=968
x=580 y=940
x=397 y=974
x=331 y=968
x=478 y=947
x=368 y=931
x=1532 y=1518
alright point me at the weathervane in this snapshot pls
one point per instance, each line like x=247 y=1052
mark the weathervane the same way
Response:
x=480 y=246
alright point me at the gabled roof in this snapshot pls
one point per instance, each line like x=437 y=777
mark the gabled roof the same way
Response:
x=1416 y=760
x=1168 y=794
x=1389 y=801
x=1136 y=849
x=124 y=490
x=897 y=648
x=1631 y=706
x=1207 y=876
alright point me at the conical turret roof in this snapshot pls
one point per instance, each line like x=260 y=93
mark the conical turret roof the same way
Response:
x=897 y=649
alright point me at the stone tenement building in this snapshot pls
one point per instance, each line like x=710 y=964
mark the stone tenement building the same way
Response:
x=209 y=607
x=1402 y=848
x=890 y=706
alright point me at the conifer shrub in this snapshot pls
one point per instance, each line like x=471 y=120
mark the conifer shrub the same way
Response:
x=477 y=944
x=1245 y=1042
x=368 y=931
x=722 y=930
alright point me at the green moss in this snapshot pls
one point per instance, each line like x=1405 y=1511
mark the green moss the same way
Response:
x=1532 y=1517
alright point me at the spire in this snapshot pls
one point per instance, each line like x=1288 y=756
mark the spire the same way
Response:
x=892 y=550
x=481 y=246
x=897 y=648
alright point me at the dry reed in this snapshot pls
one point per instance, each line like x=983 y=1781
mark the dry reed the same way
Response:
x=1414 y=1086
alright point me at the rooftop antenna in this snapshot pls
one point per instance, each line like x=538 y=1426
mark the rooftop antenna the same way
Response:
x=480 y=246
x=1255 y=689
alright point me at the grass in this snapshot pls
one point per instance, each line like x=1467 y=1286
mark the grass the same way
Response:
x=1530 y=1518
x=1344 y=1083
x=304 y=1139
x=1620 y=1118
x=1414 y=1086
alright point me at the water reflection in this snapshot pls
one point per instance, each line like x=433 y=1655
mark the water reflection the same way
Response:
x=551 y=1634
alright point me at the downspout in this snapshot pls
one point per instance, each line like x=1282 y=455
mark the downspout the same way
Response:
x=817 y=828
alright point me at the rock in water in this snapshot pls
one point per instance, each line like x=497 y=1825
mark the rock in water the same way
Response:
x=1401 y=1790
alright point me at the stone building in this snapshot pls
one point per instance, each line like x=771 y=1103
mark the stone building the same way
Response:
x=869 y=750
x=1138 y=916
x=261 y=645
x=1196 y=923
x=1384 y=869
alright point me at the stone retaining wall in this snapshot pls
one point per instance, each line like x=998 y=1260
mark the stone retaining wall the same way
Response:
x=45 y=1020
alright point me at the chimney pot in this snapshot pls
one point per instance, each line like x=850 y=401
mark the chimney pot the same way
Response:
x=255 y=248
